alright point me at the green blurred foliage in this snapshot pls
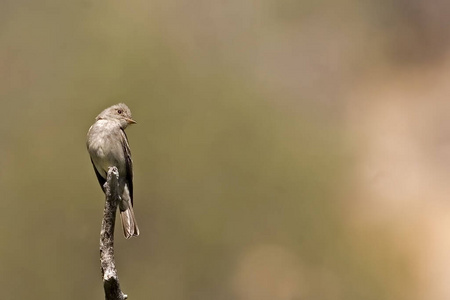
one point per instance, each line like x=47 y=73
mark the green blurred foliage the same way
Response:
x=240 y=177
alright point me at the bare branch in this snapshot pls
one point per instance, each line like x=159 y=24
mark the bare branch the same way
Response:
x=110 y=279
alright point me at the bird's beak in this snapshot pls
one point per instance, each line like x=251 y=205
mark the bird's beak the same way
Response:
x=130 y=121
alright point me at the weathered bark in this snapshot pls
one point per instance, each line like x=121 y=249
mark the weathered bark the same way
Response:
x=110 y=279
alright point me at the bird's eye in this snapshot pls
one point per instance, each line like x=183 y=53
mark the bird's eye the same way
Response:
x=119 y=111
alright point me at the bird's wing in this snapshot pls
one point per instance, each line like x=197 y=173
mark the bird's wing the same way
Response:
x=101 y=180
x=128 y=164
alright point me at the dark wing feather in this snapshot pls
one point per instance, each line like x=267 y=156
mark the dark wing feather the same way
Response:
x=128 y=165
x=101 y=180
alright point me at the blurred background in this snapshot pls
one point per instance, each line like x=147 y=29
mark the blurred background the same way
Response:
x=285 y=150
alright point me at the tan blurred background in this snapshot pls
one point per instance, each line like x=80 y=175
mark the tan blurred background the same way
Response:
x=285 y=150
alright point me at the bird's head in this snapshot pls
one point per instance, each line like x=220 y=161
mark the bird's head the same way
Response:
x=119 y=112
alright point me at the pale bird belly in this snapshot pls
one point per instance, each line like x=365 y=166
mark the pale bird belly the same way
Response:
x=105 y=154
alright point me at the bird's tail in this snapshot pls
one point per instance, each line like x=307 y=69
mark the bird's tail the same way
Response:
x=130 y=227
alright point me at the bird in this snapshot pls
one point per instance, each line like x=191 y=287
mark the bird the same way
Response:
x=107 y=144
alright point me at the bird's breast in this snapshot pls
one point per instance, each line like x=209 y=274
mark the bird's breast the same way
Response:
x=105 y=146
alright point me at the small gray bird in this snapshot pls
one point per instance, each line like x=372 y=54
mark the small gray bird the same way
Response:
x=107 y=145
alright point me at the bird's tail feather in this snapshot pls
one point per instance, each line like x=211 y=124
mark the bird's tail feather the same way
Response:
x=130 y=227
